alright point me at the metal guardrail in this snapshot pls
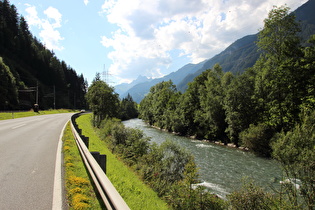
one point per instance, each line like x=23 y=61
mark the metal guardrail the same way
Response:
x=111 y=198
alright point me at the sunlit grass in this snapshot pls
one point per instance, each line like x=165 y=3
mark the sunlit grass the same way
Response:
x=80 y=192
x=135 y=193
x=13 y=114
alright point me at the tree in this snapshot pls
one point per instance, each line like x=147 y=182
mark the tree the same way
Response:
x=128 y=108
x=158 y=104
x=308 y=65
x=102 y=100
x=278 y=77
x=189 y=104
x=240 y=107
x=211 y=116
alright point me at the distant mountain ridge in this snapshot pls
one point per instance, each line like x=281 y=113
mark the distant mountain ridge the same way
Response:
x=138 y=91
x=122 y=88
x=239 y=56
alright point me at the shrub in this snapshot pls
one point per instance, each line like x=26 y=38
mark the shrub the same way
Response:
x=107 y=126
x=131 y=144
x=295 y=151
x=257 y=138
x=251 y=196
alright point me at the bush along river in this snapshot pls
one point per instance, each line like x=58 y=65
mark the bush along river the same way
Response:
x=221 y=169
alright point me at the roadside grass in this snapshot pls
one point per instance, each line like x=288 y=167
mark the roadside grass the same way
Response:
x=13 y=114
x=135 y=193
x=80 y=192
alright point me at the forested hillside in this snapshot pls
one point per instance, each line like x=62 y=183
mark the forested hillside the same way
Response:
x=26 y=66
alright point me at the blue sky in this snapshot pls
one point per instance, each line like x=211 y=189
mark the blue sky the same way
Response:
x=129 y=38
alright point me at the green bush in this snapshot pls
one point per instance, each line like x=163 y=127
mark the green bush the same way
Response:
x=295 y=150
x=164 y=166
x=257 y=138
x=129 y=143
x=251 y=196
x=106 y=127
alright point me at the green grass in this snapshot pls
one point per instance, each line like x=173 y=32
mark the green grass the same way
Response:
x=12 y=115
x=80 y=192
x=135 y=193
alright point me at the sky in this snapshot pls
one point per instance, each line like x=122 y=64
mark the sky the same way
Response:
x=128 y=38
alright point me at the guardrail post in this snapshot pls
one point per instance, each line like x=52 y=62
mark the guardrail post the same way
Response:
x=79 y=131
x=100 y=159
x=96 y=156
x=103 y=162
x=85 y=140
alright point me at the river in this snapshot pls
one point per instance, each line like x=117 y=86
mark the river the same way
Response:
x=221 y=168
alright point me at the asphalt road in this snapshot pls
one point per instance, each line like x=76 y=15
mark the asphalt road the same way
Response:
x=28 y=148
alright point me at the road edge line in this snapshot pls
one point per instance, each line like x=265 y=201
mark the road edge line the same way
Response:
x=57 y=193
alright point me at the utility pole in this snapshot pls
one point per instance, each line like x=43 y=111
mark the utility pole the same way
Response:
x=37 y=93
x=54 y=97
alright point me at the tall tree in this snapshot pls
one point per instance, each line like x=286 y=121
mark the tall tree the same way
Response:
x=278 y=78
x=102 y=100
x=211 y=116
x=239 y=105
x=159 y=103
x=308 y=65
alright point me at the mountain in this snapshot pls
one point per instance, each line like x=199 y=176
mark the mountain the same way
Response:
x=243 y=53
x=139 y=90
x=122 y=88
x=236 y=58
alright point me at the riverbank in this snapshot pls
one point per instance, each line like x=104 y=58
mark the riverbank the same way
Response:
x=230 y=145
x=221 y=168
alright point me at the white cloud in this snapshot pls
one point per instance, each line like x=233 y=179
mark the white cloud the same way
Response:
x=86 y=2
x=48 y=26
x=151 y=30
x=54 y=14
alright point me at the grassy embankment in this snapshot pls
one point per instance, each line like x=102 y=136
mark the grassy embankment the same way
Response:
x=80 y=192
x=12 y=115
x=136 y=194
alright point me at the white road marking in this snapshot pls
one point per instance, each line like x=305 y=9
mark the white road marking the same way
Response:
x=18 y=126
x=57 y=194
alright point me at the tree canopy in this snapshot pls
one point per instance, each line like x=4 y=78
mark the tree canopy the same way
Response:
x=102 y=100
